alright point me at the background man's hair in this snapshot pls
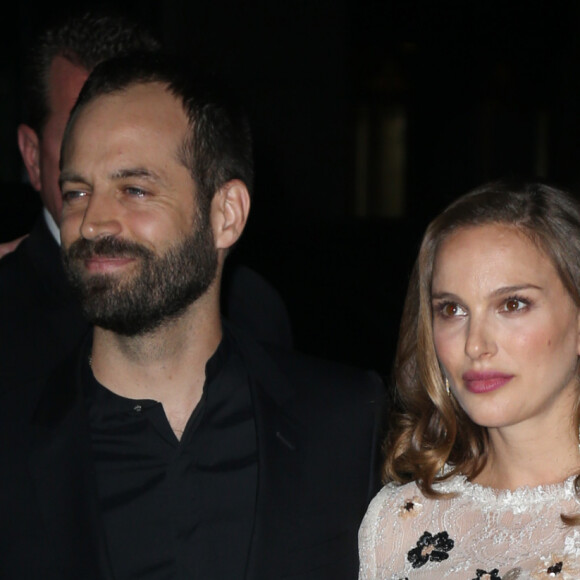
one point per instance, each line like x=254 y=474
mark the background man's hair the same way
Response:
x=85 y=39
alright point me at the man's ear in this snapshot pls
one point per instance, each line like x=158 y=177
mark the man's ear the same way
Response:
x=28 y=143
x=229 y=213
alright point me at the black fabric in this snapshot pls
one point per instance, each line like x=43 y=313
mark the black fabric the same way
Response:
x=40 y=320
x=317 y=432
x=173 y=509
x=247 y=303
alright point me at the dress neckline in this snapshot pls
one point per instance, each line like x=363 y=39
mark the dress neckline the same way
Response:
x=525 y=496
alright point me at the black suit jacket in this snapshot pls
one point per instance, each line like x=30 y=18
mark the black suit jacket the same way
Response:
x=317 y=430
x=41 y=321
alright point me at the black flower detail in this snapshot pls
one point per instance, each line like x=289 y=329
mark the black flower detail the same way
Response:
x=410 y=507
x=555 y=569
x=485 y=575
x=430 y=548
x=557 y=566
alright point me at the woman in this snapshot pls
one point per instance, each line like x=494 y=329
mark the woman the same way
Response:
x=483 y=458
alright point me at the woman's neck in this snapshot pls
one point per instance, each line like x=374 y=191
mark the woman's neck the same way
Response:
x=543 y=455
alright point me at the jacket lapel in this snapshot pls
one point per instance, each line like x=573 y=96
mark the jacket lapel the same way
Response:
x=278 y=433
x=63 y=472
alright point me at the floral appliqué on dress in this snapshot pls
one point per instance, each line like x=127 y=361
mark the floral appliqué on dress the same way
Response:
x=432 y=548
x=556 y=566
x=411 y=507
x=485 y=575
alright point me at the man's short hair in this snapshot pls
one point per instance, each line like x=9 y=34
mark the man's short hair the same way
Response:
x=218 y=147
x=85 y=39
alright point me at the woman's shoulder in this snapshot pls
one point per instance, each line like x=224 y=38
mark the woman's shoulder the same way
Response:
x=397 y=496
x=393 y=502
x=389 y=525
x=403 y=527
x=398 y=508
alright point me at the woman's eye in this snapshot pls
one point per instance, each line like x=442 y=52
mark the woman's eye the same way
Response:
x=451 y=309
x=514 y=305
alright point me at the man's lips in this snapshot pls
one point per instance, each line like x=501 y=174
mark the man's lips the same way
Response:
x=97 y=264
x=485 y=381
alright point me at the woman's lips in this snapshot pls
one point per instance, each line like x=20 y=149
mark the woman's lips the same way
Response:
x=485 y=381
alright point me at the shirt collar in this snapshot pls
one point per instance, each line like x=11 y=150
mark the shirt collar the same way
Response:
x=51 y=224
x=106 y=399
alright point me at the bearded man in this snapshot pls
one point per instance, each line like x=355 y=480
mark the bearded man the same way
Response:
x=173 y=445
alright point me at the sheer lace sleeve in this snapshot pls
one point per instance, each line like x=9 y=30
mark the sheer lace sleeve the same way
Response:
x=479 y=533
x=367 y=537
x=384 y=535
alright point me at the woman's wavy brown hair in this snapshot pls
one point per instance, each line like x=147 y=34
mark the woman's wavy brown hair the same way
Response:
x=429 y=430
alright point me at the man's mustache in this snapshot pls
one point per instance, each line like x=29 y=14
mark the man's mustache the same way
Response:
x=108 y=247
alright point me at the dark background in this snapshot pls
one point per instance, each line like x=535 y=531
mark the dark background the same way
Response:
x=369 y=117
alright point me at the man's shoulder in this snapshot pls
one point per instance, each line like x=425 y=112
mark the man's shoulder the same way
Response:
x=32 y=276
x=298 y=364
x=22 y=392
x=37 y=252
x=310 y=376
x=20 y=288
x=14 y=264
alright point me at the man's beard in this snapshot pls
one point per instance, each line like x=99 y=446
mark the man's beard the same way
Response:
x=162 y=288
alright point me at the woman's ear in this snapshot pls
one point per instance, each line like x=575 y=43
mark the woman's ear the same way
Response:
x=229 y=213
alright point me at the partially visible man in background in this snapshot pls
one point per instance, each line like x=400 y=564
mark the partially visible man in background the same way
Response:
x=41 y=320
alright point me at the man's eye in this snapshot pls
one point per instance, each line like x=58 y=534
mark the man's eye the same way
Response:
x=71 y=195
x=135 y=191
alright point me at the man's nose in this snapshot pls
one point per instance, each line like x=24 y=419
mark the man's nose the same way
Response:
x=101 y=217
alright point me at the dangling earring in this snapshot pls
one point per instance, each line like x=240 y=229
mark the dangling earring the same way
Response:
x=447 y=388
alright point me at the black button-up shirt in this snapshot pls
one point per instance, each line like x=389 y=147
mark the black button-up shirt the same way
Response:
x=178 y=509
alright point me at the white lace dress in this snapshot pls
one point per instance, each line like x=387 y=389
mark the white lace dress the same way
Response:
x=480 y=534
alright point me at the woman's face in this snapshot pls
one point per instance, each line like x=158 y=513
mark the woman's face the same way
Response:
x=506 y=330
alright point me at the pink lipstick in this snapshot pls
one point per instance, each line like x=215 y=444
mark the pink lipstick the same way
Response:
x=485 y=381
